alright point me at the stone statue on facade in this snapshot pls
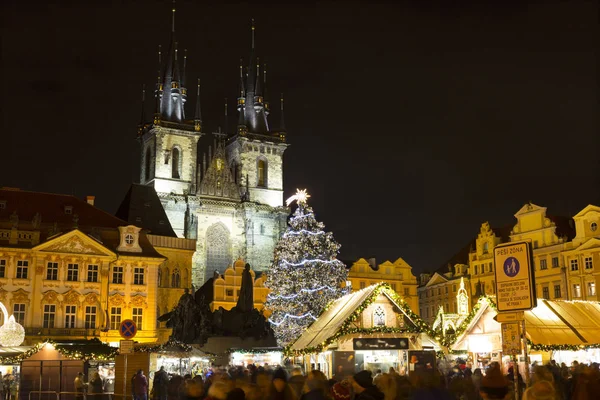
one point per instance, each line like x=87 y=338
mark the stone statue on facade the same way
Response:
x=245 y=301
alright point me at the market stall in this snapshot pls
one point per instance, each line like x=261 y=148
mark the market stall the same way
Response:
x=260 y=357
x=372 y=328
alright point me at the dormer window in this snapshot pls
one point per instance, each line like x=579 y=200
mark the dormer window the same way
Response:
x=379 y=317
x=485 y=248
x=68 y=210
x=129 y=239
x=593 y=225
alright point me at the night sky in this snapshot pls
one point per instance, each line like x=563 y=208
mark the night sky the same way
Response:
x=410 y=124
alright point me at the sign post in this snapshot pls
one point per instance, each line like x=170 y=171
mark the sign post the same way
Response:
x=127 y=330
x=515 y=293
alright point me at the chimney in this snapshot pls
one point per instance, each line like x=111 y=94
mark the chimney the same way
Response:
x=90 y=199
x=373 y=263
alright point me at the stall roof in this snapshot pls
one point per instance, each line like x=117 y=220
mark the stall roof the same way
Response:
x=331 y=321
x=556 y=323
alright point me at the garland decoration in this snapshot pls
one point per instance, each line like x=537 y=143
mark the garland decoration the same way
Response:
x=420 y=326
x=80 y=350
x=253 y=351
x=556 y=347
x=171 y=345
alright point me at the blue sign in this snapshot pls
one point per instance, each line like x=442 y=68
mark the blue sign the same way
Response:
x=511 y=266
x=128 y=329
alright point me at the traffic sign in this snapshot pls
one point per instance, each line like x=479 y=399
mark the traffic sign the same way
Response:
x=510 y=317
x=515 y=281
x=128 y=329
x=511 y=339
x=126 y=347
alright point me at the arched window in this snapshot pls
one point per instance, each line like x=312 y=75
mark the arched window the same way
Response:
x=217 y=249
x=175 y=163
x=379 y=317
x=485 y=247
x=261 y=172
x=148 y=165
x=175 y=279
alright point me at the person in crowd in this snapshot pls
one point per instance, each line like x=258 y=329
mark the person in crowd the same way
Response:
x=14 y=388
x=218 y=390
x=315 y=386
x=494 y=385
x=251 y=392
x=476 y=379
x=540 y=390
x=364 y=389
x=392 y=371
x=192 y=390
x=79 y=386
x=587 y=385
x=376 y=376
x=96 y=387
x=339 y=374
x=428 y=385
x=140 y=386
x=173 y=387
x=236 y=394
x=161 y=384
x=296 y=381
x=279 y=389
x=6 y=387
x=387 y=385
x=342 y=390
x=404 y=388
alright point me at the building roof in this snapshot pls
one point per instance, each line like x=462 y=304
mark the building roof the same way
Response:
x=142 y=207
x=333 y=319
x=51 y=209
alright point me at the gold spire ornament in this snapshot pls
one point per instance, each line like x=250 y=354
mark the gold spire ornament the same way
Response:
x=300 y=197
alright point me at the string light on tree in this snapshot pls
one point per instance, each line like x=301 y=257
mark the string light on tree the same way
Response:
x=305 y=275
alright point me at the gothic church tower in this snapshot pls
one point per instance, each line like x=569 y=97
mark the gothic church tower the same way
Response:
x=231 y=202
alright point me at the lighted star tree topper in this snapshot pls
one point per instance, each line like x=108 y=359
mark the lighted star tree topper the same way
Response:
x=305 y=275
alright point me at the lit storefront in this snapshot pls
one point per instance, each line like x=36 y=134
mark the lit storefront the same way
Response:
x=564 y=331
x=370 y=329
x=260 y=357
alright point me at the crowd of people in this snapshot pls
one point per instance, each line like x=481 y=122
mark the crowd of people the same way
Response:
x=547 y=382
x=9 y=387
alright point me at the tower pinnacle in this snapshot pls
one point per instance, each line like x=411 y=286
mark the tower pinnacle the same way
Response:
x=198 y=114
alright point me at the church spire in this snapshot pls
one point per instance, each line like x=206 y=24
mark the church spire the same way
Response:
x=198 y=113
x=265 y=91
x=226 y=125
x=142 y=121
x=282 y=121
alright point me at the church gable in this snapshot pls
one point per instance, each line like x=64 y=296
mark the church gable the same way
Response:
x=382 y=312
x=436 y=279
x=218 y=180
x=74 y=242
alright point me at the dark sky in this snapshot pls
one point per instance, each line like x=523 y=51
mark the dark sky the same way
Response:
x=410 y=124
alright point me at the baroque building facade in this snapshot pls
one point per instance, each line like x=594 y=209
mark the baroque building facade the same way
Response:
x=71 y=271
x=566 y=258
x=231 y=199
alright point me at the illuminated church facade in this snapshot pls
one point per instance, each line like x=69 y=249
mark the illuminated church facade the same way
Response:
x=230 y=199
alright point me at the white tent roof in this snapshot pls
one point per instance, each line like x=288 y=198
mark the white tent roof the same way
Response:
x=330 y=322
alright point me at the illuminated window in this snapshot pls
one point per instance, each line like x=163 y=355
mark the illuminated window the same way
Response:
x=90 y=317
x=2 y=268
x=115 y=318
x=591 y=286
x=137 y=317
x=138 y=276
x=557 y=294
x=175 y=163
x=92 y=273
x=229 y=292
x=476 y=270
x=379 y=317
x=52 y=271
x=49 y=314
x=576 y=290
x=588 y=263
x=117 y=276
x=543 y=264
x=19 y=313
x=70 y=316
x=261 y=172
x=554 y=262
x=546 y=292
x=22 y=269
x=485 y=247
x=217 y=248
x=73 y=272
x=574 y=265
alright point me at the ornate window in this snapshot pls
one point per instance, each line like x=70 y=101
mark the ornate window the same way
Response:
x=92 y=273
x=176 y=163
x=261 y=172
x=217 y=248
x=49 y=314
x=52 y=271
x=70 y=316
x=379 y=317
x=22 y=269
x=117 y=276
x=138 y=276
x=19 y=313
x=175 y=279
x=73 y=272
x=90 y=317
x=137 y=317
x=115 y=317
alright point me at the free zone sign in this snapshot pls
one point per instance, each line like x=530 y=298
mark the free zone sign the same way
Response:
x=515 y=283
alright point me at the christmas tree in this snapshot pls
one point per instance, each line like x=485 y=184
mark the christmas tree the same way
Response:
x=305 y=275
